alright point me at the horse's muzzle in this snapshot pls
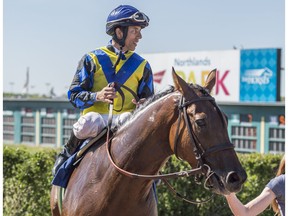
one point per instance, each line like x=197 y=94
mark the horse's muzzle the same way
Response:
x=235 y=180
x=225 y=184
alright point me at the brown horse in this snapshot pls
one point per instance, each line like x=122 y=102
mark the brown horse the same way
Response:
x=186 y=122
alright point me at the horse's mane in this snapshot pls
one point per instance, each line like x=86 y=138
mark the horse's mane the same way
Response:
x=155 y=97
x=169 y=89
x=149 y=100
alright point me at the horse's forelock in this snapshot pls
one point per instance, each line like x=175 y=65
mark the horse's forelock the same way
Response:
x=199 y=88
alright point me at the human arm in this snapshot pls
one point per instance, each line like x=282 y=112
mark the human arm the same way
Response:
x=254 y=207
x=80 y=92
x=146 y=87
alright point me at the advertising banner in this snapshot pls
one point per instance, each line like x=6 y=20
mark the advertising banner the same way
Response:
x=260 y=75
x=194 y=67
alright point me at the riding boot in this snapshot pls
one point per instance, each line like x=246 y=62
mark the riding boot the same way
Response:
x=69 y=149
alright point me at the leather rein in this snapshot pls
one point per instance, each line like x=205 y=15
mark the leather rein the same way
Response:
x=199 y=152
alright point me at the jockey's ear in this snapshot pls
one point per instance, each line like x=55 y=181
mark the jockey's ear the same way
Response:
x=182 y=86
x=210 y=81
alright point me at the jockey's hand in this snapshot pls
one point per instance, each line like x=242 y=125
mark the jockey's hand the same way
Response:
x=141 y=101
x=107 y=94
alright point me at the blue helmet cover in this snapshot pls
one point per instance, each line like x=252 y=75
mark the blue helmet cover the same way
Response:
x=122 y=11
x=125 y=15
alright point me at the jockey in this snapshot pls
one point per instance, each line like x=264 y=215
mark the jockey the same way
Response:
x=117 y=62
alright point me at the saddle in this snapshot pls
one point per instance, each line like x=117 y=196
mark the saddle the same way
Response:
x=87 y=144
x=63 y=174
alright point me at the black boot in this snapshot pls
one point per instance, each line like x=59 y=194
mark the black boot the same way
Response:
x=69 y=149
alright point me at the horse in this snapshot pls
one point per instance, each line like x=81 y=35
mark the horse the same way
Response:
x=185 y=122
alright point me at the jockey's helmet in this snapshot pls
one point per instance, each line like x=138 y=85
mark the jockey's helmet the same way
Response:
x=125 y=15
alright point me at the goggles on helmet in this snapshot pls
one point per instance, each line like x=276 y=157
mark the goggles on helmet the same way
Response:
x=137 y=17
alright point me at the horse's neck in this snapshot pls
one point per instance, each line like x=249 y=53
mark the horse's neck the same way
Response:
x=144 y=141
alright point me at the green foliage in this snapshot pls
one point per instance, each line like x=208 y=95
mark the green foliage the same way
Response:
x=27 y=181
x=260 y=169
x=27 y=184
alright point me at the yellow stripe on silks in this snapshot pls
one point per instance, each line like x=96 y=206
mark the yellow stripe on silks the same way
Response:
x=100 y=82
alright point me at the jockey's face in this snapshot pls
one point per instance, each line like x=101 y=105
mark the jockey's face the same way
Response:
x=133 y=37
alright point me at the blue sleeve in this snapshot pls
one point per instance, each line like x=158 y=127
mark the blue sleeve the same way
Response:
x=79 y=93
x=277 y=185
x=146 y=87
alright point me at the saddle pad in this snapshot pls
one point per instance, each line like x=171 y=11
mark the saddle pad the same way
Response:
x=63 y=174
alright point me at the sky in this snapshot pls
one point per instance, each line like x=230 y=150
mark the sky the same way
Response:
x=51 y=36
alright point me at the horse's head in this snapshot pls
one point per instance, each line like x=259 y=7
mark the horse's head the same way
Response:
x=202 y=137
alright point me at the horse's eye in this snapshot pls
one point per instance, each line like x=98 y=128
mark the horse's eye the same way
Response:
x=200 y=122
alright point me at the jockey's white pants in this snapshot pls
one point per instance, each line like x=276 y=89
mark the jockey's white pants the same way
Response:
x=92 y=123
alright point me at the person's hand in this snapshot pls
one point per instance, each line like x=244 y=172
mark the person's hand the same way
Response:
x=107 y=94
x=141 y=101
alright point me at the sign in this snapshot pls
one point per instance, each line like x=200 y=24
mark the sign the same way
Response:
x=259 y=75
x=194 y=67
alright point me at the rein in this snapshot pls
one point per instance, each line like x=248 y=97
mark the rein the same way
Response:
x=135 y=175
x=179 y=196
x=197 y=149
x=118 y=87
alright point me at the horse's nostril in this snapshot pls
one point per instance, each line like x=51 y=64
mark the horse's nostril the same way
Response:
x=232 y=178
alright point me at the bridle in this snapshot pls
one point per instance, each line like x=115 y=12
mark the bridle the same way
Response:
x=199 y=152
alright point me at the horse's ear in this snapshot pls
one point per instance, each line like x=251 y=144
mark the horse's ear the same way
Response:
x=210 y=81
x=182 y=86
